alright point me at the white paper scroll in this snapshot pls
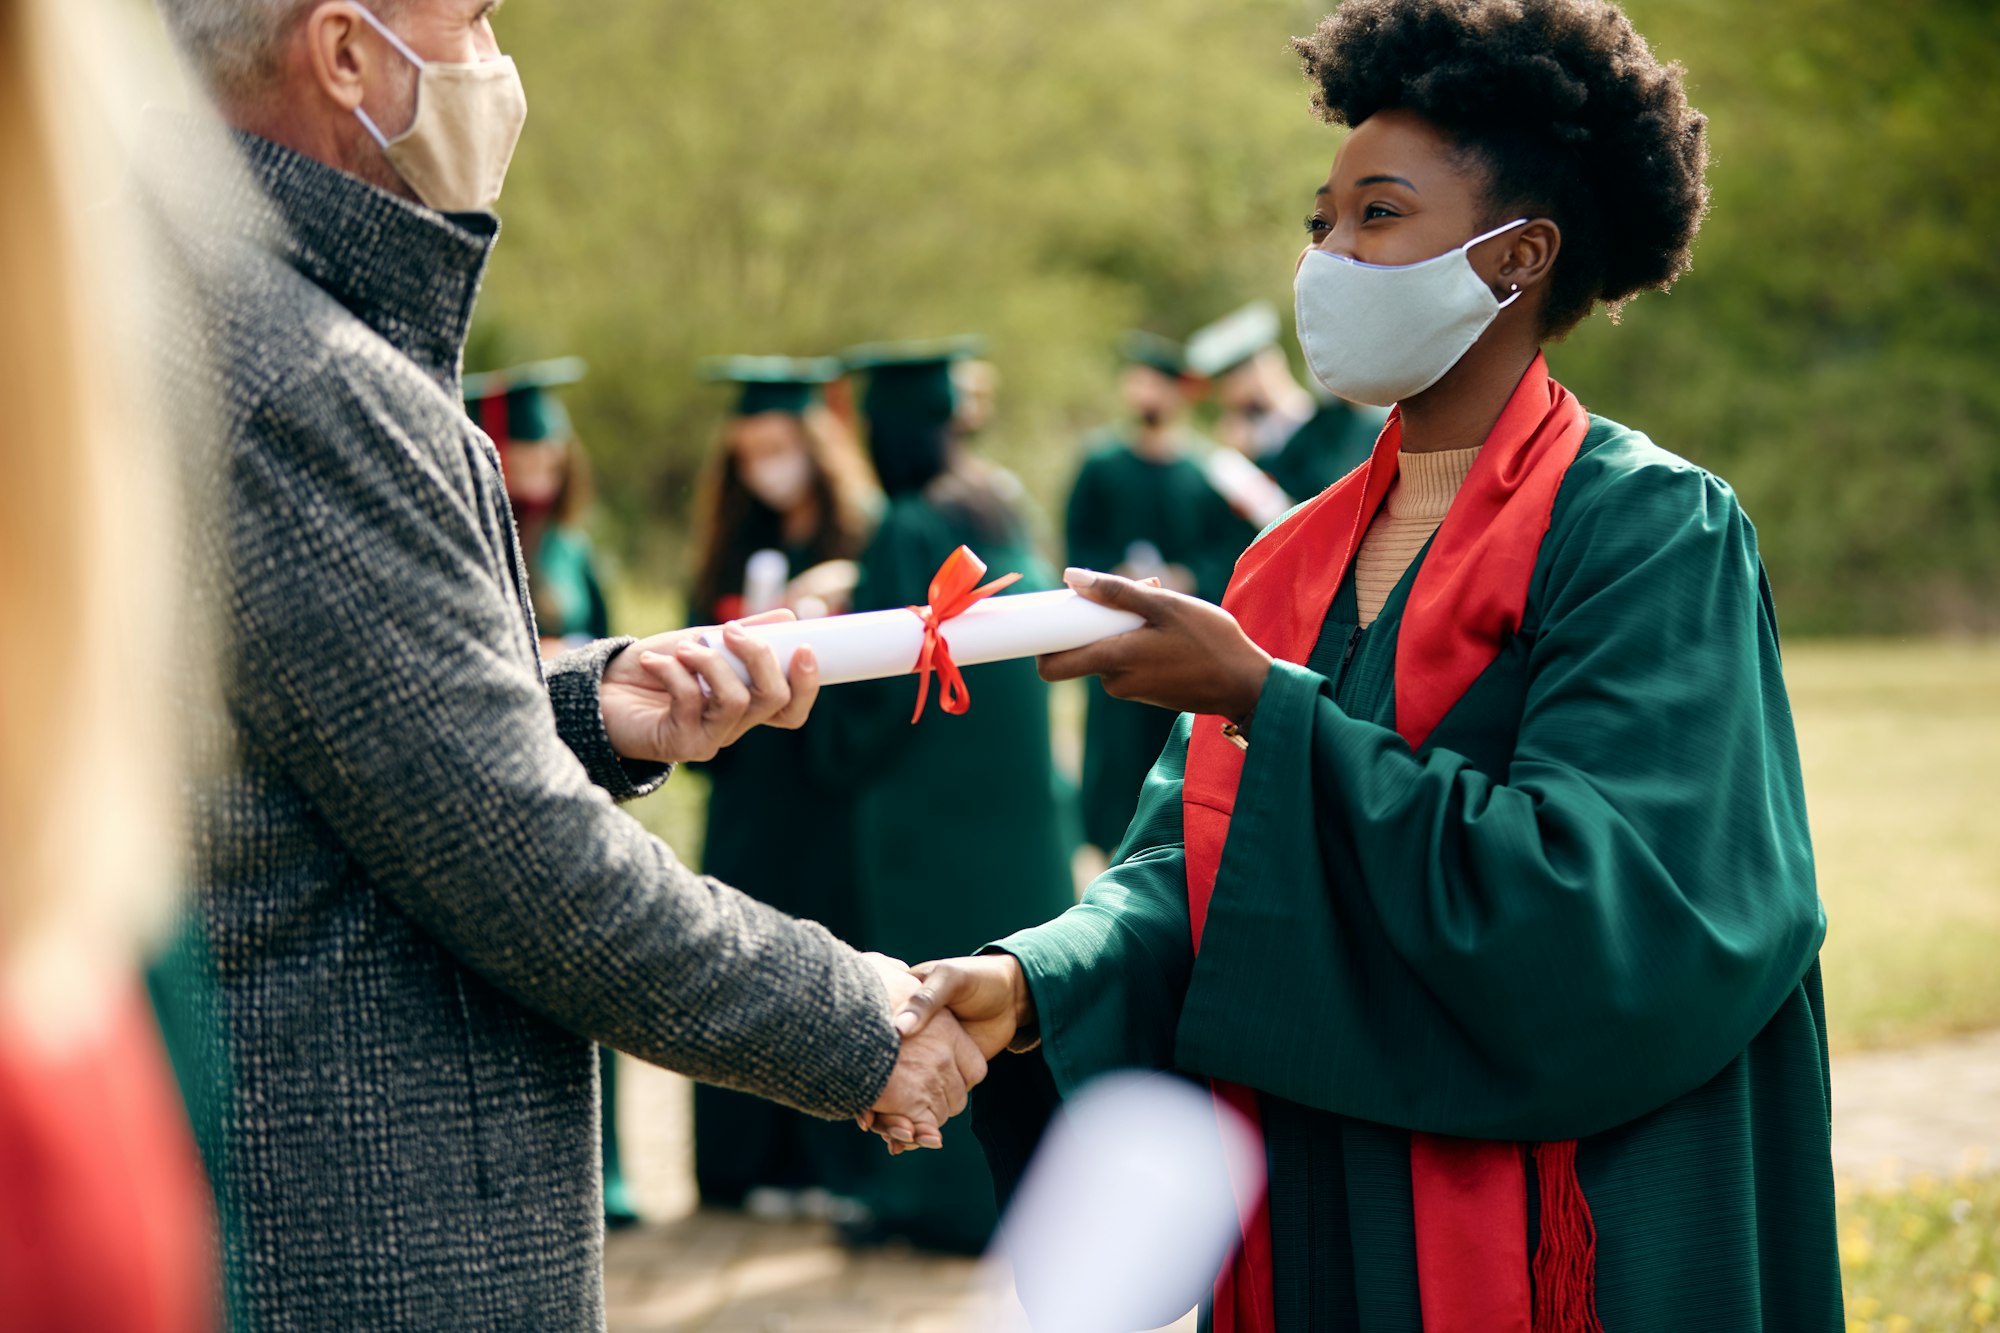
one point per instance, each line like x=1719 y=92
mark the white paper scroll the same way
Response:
x=875 y=645
x=1248 y=488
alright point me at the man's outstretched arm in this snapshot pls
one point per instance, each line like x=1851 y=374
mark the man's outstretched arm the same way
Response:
x=381 y=660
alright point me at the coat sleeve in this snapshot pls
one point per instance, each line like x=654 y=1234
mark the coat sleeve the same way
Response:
x=1561 y=947
x=574 y=678
x=380 y=659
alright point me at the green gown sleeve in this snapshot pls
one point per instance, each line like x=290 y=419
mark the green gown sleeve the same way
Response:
x=1548 y=951
x=1108 y=974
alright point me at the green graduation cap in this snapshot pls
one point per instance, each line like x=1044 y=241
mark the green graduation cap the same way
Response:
x=909 y=383
x=1218 y=348
x=1140 y=348
x=516 y=404
x=773 y=383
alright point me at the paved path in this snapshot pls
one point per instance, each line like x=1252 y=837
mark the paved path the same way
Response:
x=1931 y=1109
x=1925 y=1110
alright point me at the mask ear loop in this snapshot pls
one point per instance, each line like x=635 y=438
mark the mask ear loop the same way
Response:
x=1489 y=235
x=368 y=123
x=402 y=49
x=1515 y=287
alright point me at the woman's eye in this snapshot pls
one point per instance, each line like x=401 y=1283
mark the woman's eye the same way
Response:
x=1373 y=211
x=1317 y=226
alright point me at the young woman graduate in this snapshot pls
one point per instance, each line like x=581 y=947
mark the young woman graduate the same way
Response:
x=958 y=824
x=1143 y=507
x=788 y=477
x=1483 y=884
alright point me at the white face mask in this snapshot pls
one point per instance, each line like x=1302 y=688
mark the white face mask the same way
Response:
x=781 y=481
x=469 y=117
x=1376 y=333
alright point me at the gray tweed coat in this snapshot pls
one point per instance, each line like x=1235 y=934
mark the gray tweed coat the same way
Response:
x=419 y=904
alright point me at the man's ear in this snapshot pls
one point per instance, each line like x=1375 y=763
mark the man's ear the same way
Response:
x=1530 y=256
x=337 y=51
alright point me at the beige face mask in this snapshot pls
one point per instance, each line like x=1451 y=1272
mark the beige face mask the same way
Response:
x=469 y=117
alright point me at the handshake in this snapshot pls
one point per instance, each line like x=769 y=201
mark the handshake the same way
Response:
x=953 y=1017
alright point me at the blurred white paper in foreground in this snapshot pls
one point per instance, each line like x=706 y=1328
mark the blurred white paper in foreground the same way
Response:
x=1129 y=1209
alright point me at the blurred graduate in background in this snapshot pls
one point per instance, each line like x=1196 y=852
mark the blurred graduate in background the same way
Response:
x=787 y=505
x=1304 y=441
x=548 y=488
x=959 y=824
x=1142 y=507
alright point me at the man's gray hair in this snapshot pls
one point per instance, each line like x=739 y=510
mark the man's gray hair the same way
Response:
x=234 y=45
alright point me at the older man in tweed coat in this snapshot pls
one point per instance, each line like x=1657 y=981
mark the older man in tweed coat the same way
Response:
x=418 y=900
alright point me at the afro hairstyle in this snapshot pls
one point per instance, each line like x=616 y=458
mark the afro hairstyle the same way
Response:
x=1564 y=108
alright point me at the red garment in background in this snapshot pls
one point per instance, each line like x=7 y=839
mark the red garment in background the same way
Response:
x=105 y=1219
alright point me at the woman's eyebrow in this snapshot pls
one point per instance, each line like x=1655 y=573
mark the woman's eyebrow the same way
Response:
x=1386 y=180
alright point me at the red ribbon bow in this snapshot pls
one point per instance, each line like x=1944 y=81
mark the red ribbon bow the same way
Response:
x=955 y=589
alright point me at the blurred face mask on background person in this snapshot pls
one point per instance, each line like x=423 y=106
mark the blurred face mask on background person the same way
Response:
x=780 y=480
x=1378 y=334
x=468 y=119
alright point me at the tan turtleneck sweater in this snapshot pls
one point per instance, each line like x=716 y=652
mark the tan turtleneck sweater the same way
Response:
x=1410 y=513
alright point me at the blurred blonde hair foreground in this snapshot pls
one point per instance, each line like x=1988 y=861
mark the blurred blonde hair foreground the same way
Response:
x=88 y=592
x=107 y=1222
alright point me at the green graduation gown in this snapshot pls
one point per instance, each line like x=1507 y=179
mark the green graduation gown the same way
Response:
x=1121 y=498
x=770 y=806
x=1331 y=443
x=959 y=830
x=1584 y=908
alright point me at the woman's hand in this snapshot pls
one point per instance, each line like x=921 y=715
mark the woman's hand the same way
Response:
x=1190 y=656
x=988 y=995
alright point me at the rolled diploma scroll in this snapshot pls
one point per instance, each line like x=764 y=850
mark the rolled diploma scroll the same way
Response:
x=876 y=645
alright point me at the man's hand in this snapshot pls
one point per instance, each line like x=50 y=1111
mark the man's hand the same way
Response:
x=1190 y=656
x=933 y=1075
x=672 y=699
x=984 y=1000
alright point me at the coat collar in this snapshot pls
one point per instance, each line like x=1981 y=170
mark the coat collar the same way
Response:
x=409 y=273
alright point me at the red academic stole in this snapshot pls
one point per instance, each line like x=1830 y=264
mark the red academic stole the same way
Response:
x=1467 y=601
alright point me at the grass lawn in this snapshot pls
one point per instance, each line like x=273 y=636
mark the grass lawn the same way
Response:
x=1901 y=747
x=1925 y=1259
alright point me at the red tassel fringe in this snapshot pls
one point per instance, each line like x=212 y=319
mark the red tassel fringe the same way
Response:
x=1566 y=1257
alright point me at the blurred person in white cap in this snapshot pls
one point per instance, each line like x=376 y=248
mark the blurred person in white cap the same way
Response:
x=1303 y=440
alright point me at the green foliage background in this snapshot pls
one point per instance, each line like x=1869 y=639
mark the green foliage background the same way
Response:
x=705 y=176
